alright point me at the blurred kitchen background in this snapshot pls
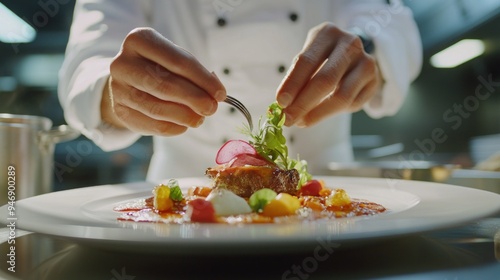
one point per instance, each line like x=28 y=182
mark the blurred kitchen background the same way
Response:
x=28 y=84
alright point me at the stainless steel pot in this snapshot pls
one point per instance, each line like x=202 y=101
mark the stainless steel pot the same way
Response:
x=27 y=148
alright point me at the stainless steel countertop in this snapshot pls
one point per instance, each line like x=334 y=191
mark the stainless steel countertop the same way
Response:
x=468 y=252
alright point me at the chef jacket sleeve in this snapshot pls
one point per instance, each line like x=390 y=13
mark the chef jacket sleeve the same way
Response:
x=98 y=29
x=398 y=49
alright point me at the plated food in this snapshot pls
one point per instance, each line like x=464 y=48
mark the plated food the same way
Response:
x=254 y=181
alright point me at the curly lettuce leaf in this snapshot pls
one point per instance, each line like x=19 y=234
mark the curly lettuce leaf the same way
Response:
x=270 y=143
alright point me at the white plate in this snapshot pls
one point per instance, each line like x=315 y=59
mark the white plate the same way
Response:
x=86 y=216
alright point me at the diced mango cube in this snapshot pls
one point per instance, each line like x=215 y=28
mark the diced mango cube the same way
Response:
x=338 y=198
x=283 y=205
x=162 y=201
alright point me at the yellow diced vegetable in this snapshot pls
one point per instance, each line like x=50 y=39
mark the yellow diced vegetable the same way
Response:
x=338 y=198
x=162 y=201
x=283 y=205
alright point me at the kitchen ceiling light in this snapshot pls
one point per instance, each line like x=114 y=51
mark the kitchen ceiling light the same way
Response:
x=458 y=53
x=13 y=29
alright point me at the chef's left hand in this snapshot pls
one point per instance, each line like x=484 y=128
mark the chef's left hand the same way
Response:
x=331 y=74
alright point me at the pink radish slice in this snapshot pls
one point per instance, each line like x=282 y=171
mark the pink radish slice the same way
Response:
x=232 y=149
x=247 y=159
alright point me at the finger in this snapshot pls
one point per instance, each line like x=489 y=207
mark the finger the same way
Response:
x=159 y=109
x=151 y=45
x=342 y=59
x=318 y=46
x=136 y=121
x=366 y=76
x=164 y=85
x=318 y=88
x=365 y=95
x=330 y=107
x=342 y=99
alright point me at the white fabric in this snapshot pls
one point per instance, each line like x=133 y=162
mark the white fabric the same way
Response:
x=258 y=38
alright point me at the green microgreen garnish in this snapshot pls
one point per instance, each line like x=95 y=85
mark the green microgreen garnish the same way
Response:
x=270 y=143
x=175 y=190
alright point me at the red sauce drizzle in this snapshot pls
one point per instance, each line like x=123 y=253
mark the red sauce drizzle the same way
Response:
x=313 y=208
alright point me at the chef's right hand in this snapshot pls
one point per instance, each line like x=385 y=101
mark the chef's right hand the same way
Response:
x=157 y=88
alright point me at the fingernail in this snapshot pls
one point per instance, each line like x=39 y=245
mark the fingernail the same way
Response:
x=200 y=122
x=289 y=119
x=220 y=95
x=285 y=99
x=301 y=124
x=211 y=110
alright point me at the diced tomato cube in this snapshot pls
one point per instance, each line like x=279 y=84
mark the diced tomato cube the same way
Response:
x=312 y=187
x=200 y=210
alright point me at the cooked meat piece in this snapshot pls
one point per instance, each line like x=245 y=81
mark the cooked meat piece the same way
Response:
x=245 y=180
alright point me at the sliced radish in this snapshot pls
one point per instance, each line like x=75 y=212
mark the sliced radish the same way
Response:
x=232 y=149
x=246 y=159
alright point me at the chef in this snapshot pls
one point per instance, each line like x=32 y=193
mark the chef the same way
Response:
x=162 y=68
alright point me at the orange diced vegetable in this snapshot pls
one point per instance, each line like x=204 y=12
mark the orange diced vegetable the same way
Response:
x=314 y=205
x=325 y=192
x=200 y=191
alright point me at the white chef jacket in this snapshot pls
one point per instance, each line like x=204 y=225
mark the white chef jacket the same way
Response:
x=249 y=44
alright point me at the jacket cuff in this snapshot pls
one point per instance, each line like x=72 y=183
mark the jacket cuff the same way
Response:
x=83 y=113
